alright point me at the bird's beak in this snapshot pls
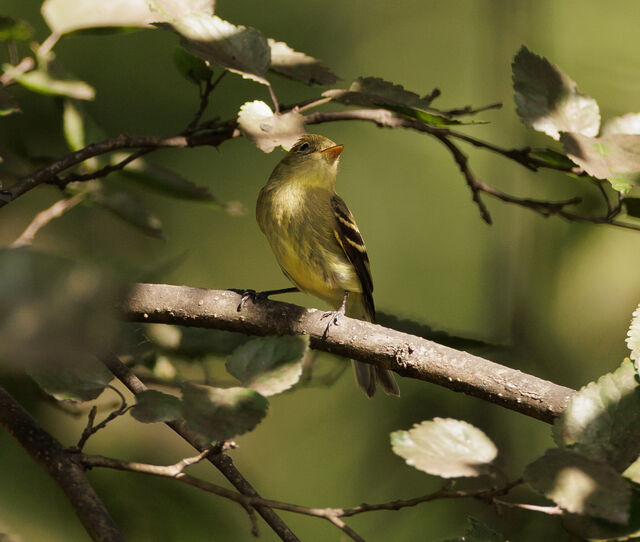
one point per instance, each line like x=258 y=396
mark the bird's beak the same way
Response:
x=332 y=153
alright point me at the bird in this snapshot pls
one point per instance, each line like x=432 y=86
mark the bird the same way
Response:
x=317 y=243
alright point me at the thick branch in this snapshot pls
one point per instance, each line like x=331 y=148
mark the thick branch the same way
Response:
x=68 y=474
x=405 y=354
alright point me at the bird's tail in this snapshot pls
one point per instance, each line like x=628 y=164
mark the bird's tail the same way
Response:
x=367 y=374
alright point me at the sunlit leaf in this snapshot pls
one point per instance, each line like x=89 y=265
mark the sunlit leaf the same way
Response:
x=269 y=365
x=615 y=157
x=259 y=124
x=56 y=313
x=601 y=420
x=41 y=82
x=375 y=92
x=64 y=16
x=12 y=30
x=73 y=126
x=478 y=532
x=633 y=336
x=219 y=413
x=191 y=67
x=154 y=406
x=445 y=447
x=129 y=209
x=548 y=100
x=625 y=124
x=239 y=49
x=299 y=66
x=580 y=485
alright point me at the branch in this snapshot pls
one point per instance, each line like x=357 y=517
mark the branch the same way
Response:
x=405 y=354
x=49 y=173
x=59 y=208
x=68 y=474
x=221 y=461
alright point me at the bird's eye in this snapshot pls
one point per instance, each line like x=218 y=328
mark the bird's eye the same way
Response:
x=304 y=147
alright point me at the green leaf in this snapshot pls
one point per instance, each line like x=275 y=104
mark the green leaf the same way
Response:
x=221 y=414
x=7 y=104
x=41 y=82
x=269 y=365
x=599 y=529
x=129 y=209
x=580 y=485
x=548 y=100
x=259 y=124
x=56 y=313
x=601 y=420
x=298 y=66
x=445 y=447
x=478 y=532
x=164 y=181
x=615 y=157
x=154 y=406
x=632 y=205
x=239 y=49
x=625 y=124
x=553 y=158
x=12 y=30
x=83 y=381
x=191 y=67
x=376 y=92
x=73 y=126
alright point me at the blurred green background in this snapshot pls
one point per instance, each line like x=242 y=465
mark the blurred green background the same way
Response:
x=556 y=296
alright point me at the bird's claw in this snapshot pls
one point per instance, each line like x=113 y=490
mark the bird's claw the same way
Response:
x=333 y=320
x=245 y=296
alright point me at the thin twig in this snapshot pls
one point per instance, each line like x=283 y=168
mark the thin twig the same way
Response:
x=548 y=510
x=91 y=429
x=204 y=102
x=103 y=172
x=43 y=218
x=220 y=460
x=274 y=99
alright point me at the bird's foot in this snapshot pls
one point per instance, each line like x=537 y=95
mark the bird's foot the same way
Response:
x=258 y=296
x=333 y=316
x=248 y=294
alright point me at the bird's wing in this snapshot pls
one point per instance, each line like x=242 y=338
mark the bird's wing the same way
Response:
x=349 y=238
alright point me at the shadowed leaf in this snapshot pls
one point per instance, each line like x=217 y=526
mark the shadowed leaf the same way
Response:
x=269 y=365
x=299 y=66
x=56 y=314
x=548 y=100
x=445 y=447
x=239 y=49
x=601 y=420
x=12 y=30
x=219 y=413
x=591 y=528
x=154 y=406
x=191 y=67
x=375 y=92
x=478 y=532
x=580 y=485
x=129 y=209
